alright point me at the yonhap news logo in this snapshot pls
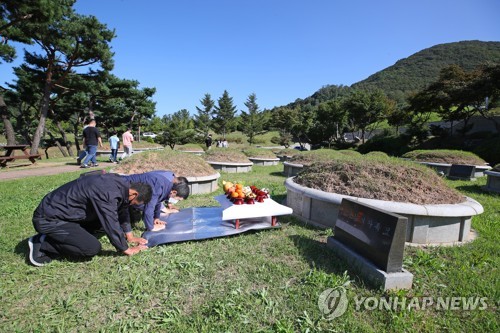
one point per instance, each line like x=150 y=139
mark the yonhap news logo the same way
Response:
x=333 y=303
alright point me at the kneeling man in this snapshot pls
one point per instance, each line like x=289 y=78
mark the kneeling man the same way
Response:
x=66 y=218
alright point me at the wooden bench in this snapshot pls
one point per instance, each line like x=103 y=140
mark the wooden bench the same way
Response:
x=9 y=155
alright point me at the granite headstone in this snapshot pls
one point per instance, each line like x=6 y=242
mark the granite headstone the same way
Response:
x=463 y=172
x=376 y=234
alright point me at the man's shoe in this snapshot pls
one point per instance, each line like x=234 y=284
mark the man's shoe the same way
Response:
x=84 y=166
x=78 y=161
x=95 y=165
x=36 y=256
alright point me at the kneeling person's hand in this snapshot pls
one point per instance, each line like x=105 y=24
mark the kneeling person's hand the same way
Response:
x=134 y=250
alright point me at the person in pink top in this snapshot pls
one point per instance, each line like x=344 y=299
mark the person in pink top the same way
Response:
x=127 y=139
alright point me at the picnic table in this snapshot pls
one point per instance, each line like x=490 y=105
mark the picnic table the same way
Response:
x=10 y=154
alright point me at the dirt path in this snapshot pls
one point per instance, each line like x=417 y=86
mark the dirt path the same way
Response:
x=42 y=169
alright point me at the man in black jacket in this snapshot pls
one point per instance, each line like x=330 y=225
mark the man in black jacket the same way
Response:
x=67 y=216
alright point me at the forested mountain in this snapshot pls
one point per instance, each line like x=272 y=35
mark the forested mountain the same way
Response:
x=417 y=71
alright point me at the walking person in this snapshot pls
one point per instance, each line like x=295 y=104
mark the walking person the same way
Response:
x=114 y=144
x=127 y=139
x=83 y=153
x=91 y=138
x=67 y=217
x=208 y=141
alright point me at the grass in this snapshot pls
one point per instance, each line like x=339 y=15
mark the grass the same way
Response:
x=445 y=156
x=260 y=281
x=226 y=155
x=181 y=163
x=381 y=178
x=259 y=153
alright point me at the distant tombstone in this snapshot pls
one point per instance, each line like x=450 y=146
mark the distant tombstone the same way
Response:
x=462 y=172
x=375 y=234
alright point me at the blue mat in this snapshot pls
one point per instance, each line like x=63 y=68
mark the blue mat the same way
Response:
x=201 y=223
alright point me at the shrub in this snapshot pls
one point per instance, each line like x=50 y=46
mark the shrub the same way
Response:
x=390 y=144
x=489 y=150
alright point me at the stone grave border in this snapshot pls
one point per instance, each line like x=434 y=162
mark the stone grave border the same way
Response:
x=231 y=167
x=203 y=184
x=427 y=224
x=292 y=169
x=264 y=161
x=445 y=168
x=492 y=182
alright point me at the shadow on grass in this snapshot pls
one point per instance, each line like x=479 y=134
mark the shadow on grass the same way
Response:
x=280 y=198
x=22 y=248
x=476 y=189
x=319 y=256
x=278 y=174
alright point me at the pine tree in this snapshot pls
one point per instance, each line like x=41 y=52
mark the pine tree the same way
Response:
x=224 y=114
x=70 y=43
x=252 y=122
x=203 y=120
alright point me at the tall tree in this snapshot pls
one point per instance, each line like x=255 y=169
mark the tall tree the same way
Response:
x=14 y=15
x=366 y=108
x=330 y=120
x=252 y=123
x=69 y=43
x=203 y=120
x=179 y=129
x=284 y=120
x=483 y=92
x=303 y=126
x=224 y=113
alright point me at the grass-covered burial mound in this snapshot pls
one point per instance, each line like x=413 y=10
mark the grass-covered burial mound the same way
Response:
x=445 y=156
x=382 y=179
x=182 y=164
x=259 y=153
x=307 y=158
x=190 y=147
x=226 y=155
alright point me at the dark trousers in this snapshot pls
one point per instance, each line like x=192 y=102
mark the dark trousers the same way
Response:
x=67 y=238
x=114 y=155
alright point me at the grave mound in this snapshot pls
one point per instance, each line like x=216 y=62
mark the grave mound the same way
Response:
x=445 y=156
x=182 y=164
x=226 y=155
x=383 y=179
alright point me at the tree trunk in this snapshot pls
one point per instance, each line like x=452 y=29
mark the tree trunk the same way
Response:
x=44 y=109
x=65 y=139
x=9 y=129
x=75 y=132
x=57 y=143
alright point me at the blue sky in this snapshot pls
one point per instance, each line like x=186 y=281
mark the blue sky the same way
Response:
x=280 y=50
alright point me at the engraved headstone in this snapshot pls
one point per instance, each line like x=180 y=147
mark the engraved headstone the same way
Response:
x=377 y=235
x=463 y=172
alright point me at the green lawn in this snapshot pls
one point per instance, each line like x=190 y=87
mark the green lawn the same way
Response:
x=262 y=281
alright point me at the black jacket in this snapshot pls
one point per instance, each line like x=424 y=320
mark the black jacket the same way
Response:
x=102 y=198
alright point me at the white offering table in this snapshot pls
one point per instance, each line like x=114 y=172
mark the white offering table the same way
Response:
x=250 y=211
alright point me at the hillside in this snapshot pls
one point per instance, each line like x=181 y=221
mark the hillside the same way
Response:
x=417 y=71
